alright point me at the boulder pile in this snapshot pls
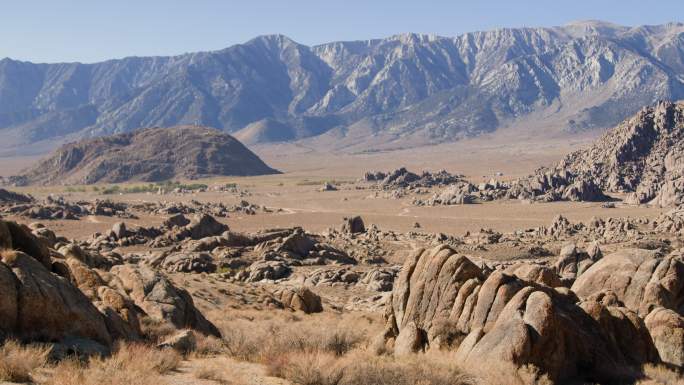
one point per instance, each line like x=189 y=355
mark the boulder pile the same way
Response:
x=402 y=178
x=58 y=208
x=68 y=295
x=523 y=317
x=643 y=156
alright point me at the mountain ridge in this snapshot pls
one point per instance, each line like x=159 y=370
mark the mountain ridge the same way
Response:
x=409 y=88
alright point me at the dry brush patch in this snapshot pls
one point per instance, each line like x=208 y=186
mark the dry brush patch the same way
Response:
x=661 y=375
x=360 y=367
x=156 y=331
x=264 y=336
x=17 y=361
x=217 y=372
x=329 y=349
x=134 y=364
x=207 y=346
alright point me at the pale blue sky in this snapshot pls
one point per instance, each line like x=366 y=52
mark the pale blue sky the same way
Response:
x=94 y=30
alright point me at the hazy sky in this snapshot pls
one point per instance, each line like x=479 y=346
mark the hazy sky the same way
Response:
x=94 y=30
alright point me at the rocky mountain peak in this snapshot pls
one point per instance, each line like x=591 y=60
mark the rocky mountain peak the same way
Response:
x=644 y=156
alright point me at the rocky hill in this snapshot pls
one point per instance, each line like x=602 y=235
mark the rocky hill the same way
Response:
x=153 y=154
x=644 y=156
x=408 y=89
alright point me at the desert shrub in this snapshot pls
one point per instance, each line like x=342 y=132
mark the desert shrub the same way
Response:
x=72 y=189
x=134 y=364
x=330 y=349
x=360 y=367
x=154 y=330
x=72 y=372
x=140 y=357
x=310 y=368
x=307 y=182
x=264 y=340
x=661 y=375
x=18 y=361
x=212 y=372
x=208 y=346
x=111 y=190
x=152 y=188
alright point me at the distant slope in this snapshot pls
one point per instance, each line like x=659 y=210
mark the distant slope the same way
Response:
x=644 y=155
x=409 y=89
x=153 y=154
x=265 y=131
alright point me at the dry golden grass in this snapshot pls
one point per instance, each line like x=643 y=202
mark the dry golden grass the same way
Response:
x=328 y=349
x=255 y=337
x=661 y=375
x=213 y=372
x=155 y=331
x=133 y=364
x=18 y=361
x=360 y=367
x=208 y=346
x=511 y=374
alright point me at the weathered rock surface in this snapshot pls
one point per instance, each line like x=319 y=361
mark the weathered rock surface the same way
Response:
x=641 y=280
x=69 y=297
x=500 y=320
x=273 y=270
x=667 y=330
x=572 y=262
x=58 y=208
x=353 y=225
x=402 y=178
x=532 y=272
x=160 y=299
x=299 y=299
x=199 y=226
x=455 y=194
x=189 y=263
x=44 y=306
x=10 y=197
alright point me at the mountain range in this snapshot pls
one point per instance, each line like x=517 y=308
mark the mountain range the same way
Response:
x=405 y=90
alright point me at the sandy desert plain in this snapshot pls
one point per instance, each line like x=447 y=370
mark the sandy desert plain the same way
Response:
x=297 y=190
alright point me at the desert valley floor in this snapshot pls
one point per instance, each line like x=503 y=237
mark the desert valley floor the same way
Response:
x=327 y=304
x=297 y=191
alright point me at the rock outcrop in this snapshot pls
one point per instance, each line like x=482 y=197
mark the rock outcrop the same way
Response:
x=71 y=294
x=403 y=178
x=10 y=197
x=572 y=262
x=644 y=156
x=159 y=298
x=299 y=299
x=667 y=330
x=40 y=305
x=353 y=225
x=150 y=155
x=640 y=279
x=515 y=318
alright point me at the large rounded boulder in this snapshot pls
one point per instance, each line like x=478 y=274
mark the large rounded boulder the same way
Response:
x=641 y=279
x=512 y=318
